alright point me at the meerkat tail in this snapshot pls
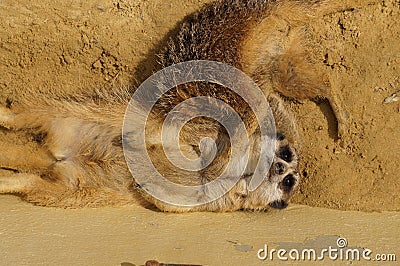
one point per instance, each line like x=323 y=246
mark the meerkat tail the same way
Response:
x=276 y=53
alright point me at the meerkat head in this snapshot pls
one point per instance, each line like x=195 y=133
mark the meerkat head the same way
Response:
x=277 y=187
x=274 y=191
x=283 y=174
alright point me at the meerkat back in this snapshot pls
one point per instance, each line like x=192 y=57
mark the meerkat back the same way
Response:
x=266 y=40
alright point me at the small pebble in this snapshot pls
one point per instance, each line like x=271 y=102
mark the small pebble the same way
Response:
x=68 y=59
x=392 y=98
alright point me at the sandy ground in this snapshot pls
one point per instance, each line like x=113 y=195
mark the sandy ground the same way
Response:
x=71 y=46
x=110 y=236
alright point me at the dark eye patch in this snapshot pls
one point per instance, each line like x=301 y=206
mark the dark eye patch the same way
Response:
x=288 y=182
x=286 y=154
x=280 y=136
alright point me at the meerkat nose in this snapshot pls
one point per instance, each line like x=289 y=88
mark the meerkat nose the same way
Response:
x=278 y=204
x=279 y=168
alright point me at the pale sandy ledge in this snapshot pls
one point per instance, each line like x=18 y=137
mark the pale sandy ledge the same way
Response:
x=32 y=235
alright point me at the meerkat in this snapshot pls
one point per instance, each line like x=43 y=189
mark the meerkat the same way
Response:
x=79 y=159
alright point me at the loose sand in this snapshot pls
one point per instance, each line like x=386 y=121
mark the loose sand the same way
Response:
x=71 y=46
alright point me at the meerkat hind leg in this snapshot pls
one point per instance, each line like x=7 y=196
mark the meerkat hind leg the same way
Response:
x=23 y=158
x=18 y=182
x=20 y=119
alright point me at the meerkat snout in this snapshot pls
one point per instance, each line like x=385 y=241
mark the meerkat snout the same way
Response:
x=279 y=168
x=278 y=204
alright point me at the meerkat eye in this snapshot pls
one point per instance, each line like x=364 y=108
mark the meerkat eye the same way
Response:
x=285 y=154
x=288 y=182
x=280 y=136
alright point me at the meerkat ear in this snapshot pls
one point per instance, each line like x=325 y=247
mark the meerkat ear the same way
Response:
x=284 y=120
